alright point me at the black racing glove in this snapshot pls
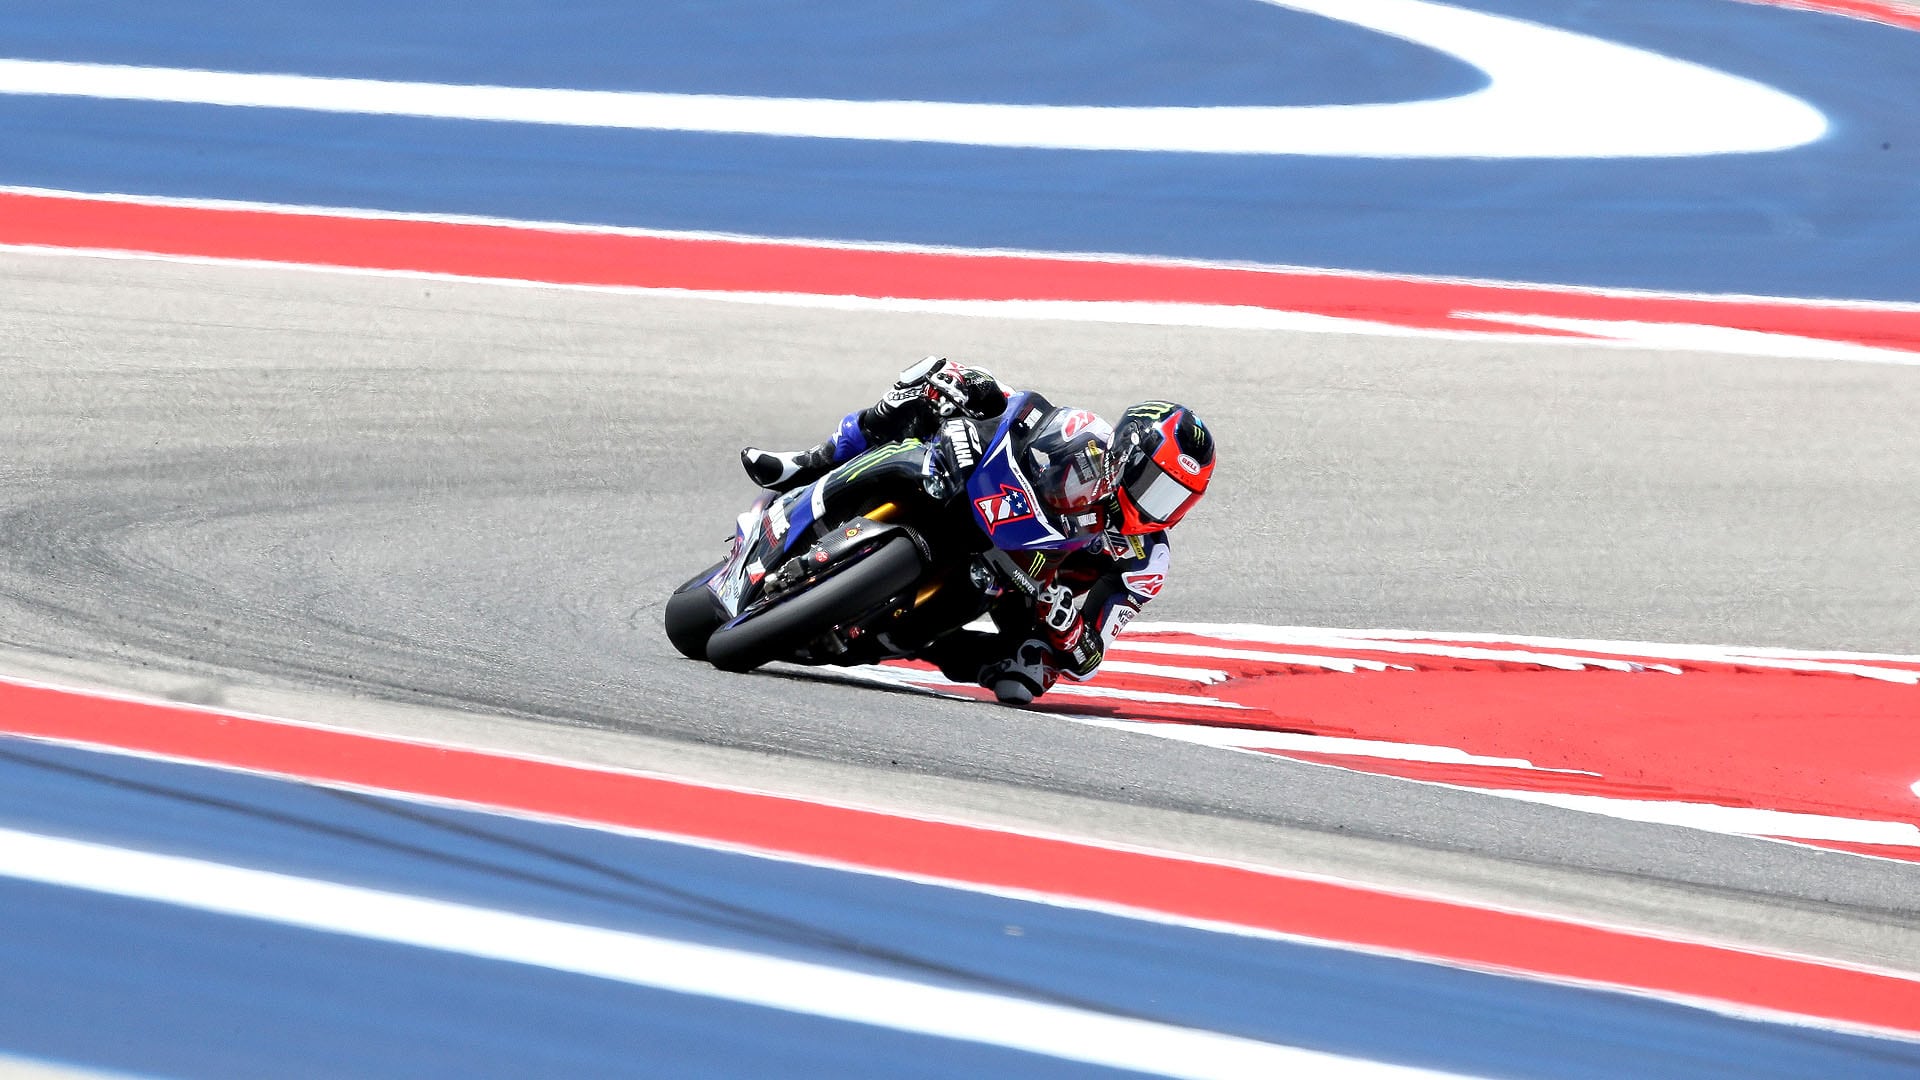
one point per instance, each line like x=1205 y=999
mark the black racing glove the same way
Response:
x=928 y=392
x=1074 y=646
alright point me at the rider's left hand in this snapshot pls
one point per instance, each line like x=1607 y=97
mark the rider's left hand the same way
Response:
x=947 y=388
x=1055 y=610
x=935 y=384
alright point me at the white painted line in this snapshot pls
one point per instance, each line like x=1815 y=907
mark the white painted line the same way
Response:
x=1255 y=739
x=1064 y=688
x=1399 y=641
x=1732 y=820
x=1119 y=312
x=1203 y=676
x=1346 y=664
x=642 y=960
x=21 y=1068
x=1094 y=690
x=1557 y=661
x=1128 y=313
x=365 y=214
x=1257 y=632
x=1551 y=93
x=1694 y=337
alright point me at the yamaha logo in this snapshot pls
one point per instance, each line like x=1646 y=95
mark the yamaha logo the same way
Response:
x=966 y=448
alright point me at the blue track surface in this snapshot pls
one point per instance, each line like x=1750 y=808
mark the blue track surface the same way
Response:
x=145 y=987
x=198 y=994
x=1836 y=218
x=1084 y=52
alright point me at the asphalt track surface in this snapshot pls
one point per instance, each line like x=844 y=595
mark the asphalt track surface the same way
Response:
x=455 y=509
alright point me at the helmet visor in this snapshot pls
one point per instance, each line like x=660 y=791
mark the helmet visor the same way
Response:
x=1159 y=496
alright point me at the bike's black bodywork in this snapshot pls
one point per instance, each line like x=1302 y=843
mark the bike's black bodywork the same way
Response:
x=882 y=556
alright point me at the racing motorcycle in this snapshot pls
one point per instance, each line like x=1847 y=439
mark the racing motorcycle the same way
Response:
x=902 y=544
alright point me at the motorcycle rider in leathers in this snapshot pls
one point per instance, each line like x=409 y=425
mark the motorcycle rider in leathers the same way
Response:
x=1159 y=463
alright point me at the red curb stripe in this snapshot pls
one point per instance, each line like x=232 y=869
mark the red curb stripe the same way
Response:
x=1906 y=16
x=604 y=258
x=980 y=856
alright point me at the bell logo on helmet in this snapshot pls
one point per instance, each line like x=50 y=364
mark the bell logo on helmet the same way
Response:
x=1192 y=466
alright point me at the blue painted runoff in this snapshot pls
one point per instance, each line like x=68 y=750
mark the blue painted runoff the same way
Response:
x=1069 y=52
x=200 y=994
x=1839 y=218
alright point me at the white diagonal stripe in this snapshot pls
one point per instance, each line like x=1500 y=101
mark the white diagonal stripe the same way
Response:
x=1734 y=820
x=1409 y=642
x=1095 y=690
x=1550 y=93
x=1203 y=676
x=1348 y=664
x=1259 y=739
x=731 y=974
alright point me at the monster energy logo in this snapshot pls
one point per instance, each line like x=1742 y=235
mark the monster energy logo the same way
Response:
x=852 y=469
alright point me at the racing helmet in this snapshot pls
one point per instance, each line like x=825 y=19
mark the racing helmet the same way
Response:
x=1162 y=459
x=1068 y=462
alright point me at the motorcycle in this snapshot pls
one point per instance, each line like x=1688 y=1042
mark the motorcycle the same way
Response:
x=901 y=545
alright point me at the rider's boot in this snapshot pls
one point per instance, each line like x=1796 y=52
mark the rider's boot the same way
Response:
x=1025 y=675
x=779 y=470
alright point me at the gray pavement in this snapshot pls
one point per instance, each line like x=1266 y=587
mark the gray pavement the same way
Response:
x=452 y=508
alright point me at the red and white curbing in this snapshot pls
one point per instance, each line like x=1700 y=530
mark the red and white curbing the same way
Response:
x=999 y=284
x=1904 y=14
x=1817 y=748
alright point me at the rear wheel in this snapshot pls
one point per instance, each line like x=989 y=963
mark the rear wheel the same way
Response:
x=693 y=614
x=783 y=629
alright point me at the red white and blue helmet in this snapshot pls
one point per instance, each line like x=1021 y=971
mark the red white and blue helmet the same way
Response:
x=1162 y=461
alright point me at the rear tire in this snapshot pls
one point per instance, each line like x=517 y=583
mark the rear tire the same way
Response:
x=787 y=626
x=693 y=614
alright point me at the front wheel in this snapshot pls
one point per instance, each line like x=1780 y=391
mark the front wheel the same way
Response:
x=792 y=623
x=694 y=613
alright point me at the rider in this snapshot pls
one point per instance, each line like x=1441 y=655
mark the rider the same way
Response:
x=1157 y=465
x=921 y=397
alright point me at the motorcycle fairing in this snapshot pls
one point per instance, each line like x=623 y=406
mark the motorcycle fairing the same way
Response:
x=745 y=565
x=776 y=527
x=1005 y=506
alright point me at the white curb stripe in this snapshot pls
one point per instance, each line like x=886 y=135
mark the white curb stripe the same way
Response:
x=681 y=967
x=1257 y=739
x=1551 y=93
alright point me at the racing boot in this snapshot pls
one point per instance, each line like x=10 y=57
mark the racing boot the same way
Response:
x=1025 y=675
x=778 y=470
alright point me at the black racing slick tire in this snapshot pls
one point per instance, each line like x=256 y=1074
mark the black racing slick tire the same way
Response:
x=693 y=614
x=791 y=624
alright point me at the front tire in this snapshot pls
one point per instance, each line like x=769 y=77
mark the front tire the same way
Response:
x=792 y=623
x=694 y=613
